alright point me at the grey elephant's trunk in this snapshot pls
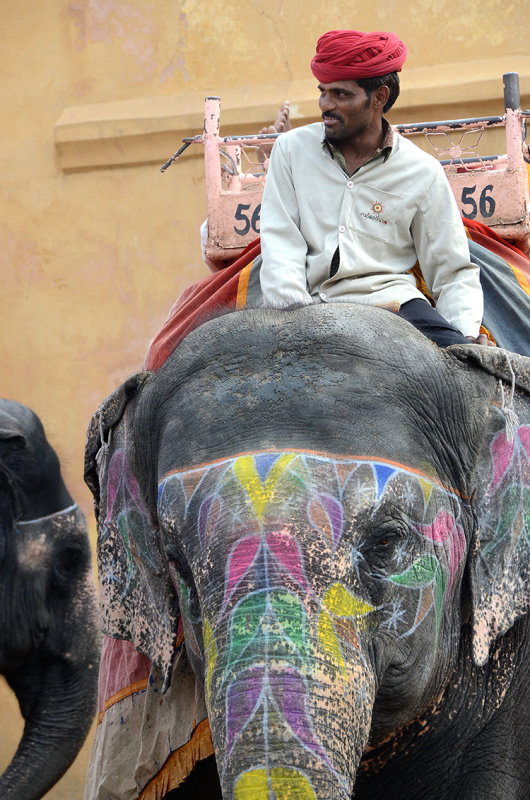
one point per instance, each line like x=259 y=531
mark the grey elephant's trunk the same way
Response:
x=285 y=733
x=55 y=729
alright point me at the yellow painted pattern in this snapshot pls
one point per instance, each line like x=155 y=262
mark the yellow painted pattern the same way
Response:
x=329 y=641
x=260 y=493
x=253 y=785
x=342 y=603
x=286 y=784
x=210 y=650
x=427 y=489
x=339 y=602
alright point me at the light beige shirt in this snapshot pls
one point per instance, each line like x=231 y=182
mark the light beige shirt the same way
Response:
x=394 y=210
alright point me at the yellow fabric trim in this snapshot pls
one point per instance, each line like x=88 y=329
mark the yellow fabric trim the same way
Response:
x=242 y=286
x=137 y=686
x=487 y=333
x=522 y=280
x=420 y=282
x=180 y=763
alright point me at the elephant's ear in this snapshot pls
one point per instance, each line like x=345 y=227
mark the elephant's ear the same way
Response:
x=137 y=601
x=500 y=558
x=13 y=431
x=10 y=426
x=8 y=430
x=100 y=426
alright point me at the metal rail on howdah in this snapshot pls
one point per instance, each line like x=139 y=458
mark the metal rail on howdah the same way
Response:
x=512 y=102
x=491 y=189
x=411 y=127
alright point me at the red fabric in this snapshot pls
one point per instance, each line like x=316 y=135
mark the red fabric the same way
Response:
x=203 y=299
x=219 y=291
x=121 y=666
x=487 y=237
x=349 y=55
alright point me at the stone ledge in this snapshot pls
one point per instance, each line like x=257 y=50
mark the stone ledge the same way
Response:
x=148 y=130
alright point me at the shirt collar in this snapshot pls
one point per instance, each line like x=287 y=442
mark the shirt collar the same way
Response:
x=385 y=149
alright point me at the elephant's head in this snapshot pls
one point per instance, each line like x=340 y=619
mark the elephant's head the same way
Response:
x=48 y=625
x=335 y=499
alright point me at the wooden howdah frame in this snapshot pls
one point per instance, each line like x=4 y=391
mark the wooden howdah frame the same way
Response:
x=491 y=189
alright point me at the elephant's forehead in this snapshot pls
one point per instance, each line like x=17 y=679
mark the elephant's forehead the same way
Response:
x=265 y=480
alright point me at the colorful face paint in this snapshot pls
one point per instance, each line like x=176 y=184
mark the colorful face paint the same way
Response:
x=274 y=541
x=288 y=587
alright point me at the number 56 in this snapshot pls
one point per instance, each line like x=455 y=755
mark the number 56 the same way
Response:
x=486 y=203
x=248 y=223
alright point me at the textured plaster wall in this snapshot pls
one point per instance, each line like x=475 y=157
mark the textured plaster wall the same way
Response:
x=92 y=258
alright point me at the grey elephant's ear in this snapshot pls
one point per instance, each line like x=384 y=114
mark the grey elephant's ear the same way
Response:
x=137 y=601
x=500 y=558
x=10 y=429
x=10 y=426
x=106 y=417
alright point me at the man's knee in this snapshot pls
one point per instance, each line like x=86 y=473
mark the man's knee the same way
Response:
x=430 y=322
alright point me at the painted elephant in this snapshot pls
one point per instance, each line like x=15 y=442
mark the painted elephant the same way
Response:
x=49 y=639
x=335 y=514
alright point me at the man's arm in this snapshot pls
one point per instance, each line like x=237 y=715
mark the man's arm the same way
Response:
x=283 y=248
x=443 y=253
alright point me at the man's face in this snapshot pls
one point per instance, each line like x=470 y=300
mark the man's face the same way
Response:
x=346 y=110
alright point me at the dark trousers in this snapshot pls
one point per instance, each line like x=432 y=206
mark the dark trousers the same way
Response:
x=426 y=319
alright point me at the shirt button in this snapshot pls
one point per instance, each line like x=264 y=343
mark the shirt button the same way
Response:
x=323 y=295
x=341 y=228
x=349 y=184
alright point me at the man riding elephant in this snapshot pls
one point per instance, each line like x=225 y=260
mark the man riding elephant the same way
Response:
x=350 y=206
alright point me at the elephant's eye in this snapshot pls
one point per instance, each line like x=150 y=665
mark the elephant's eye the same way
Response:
x=388 y=541
x=384 y=542
x=69 y=562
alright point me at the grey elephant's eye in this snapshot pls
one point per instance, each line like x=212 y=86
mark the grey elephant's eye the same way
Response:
x=383 y=542
x=68 y=563
x=388 y=543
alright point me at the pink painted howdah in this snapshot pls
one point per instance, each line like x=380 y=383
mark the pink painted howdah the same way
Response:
x=491 y=189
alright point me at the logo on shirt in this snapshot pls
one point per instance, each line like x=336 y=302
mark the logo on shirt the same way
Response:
x=376 y=209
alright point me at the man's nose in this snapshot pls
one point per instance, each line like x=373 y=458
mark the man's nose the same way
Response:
x=326 y=102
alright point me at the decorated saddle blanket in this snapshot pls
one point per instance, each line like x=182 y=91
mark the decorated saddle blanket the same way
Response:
x=235 y=286
x=504 y=274
x=505 y=280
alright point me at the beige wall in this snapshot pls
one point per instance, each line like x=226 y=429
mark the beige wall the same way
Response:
x=95 y=243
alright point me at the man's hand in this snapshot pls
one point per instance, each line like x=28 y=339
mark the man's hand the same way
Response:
x=481 y=339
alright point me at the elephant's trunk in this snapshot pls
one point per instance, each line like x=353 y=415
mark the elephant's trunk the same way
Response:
x=57 y=721
x=291 y=730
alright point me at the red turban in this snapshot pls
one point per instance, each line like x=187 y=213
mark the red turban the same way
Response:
x=349 y=55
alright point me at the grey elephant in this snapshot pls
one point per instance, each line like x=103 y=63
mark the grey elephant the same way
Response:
x=49 y=638
x=325 y=519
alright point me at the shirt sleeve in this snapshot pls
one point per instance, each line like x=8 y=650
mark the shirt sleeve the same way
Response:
x=443 y=254
x=283 y=248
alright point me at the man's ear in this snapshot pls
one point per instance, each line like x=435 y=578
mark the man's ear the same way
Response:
x=380 y=97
